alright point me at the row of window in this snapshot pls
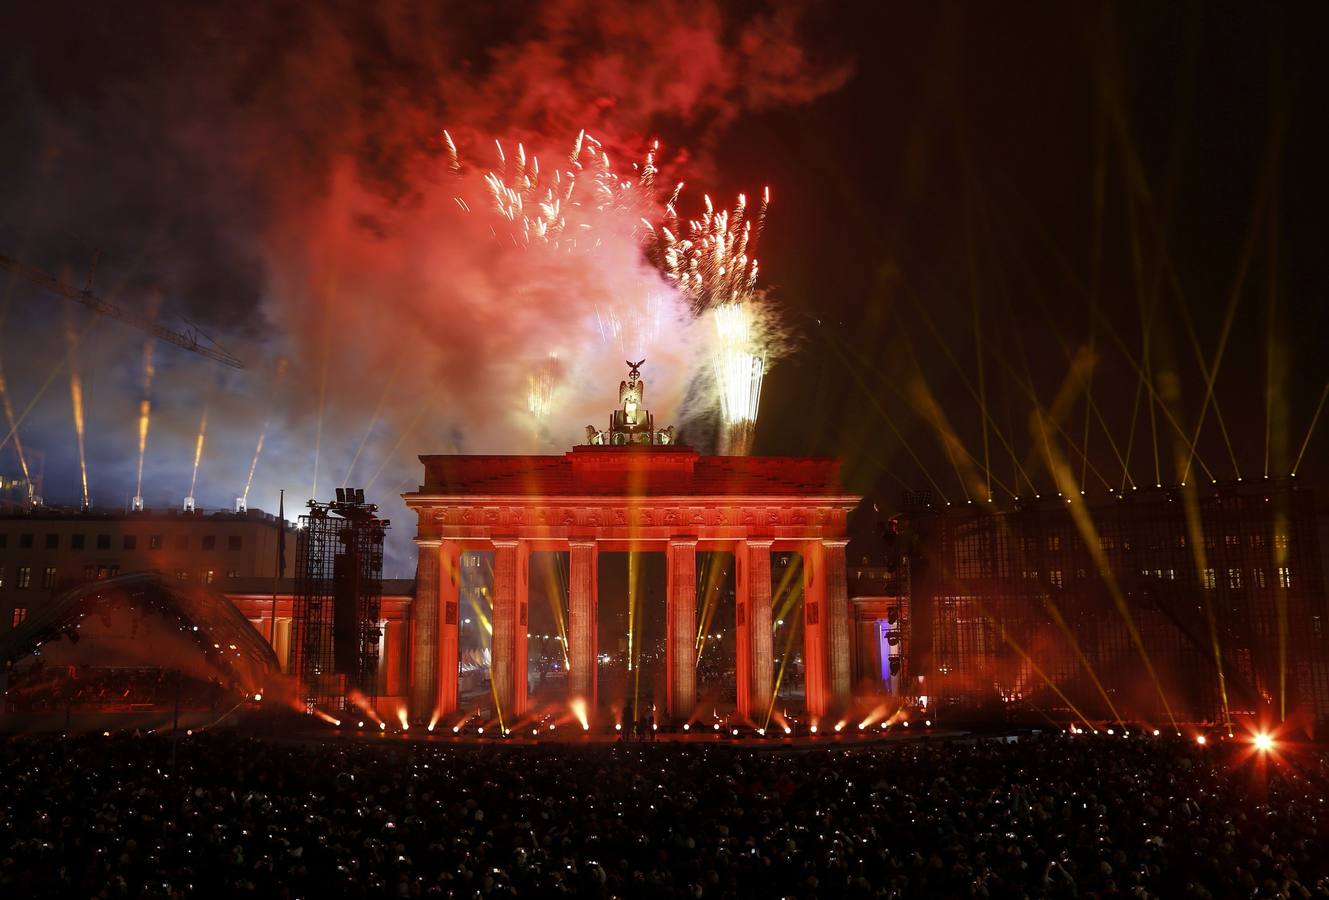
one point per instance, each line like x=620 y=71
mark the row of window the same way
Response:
x=27 y=540
x=23 y=575
x=1109 y=542
x=207 y=576
x=1209 y=576
x=1234 y=579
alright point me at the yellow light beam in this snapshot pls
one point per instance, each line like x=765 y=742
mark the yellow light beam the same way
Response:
x=1025 y=383
x=1195 y=529
x=373 y=420
x=76 y=397
x=13 y=427
x=1080 y=516
x=426 y=406
x=1319 y=408
x=1067 y=351
x=943 y=344
x=65 y=360
x=978 y=347
x=1271 y=372
x=886 y=417
x=323 y=388
x=198 y=449
x=1147 y=313
x=779 y=677
x=921 y=398
x=1058 y=255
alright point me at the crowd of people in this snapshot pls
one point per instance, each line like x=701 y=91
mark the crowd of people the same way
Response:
x=55 y=688
x=1042 y=816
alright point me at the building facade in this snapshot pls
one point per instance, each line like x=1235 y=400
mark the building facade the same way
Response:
x=44 y=551
x=1164 y=604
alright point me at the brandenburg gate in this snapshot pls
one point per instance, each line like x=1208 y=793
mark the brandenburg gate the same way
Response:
x=630 y=488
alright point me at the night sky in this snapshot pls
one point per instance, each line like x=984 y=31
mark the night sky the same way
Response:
x=965 y=199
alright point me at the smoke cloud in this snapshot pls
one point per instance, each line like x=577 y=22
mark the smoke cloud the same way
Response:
x=280 y=178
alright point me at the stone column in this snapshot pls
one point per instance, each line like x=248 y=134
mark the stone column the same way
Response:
x=449 y=608
x=681 y=628
x=753 y=655
x=761 y=656
x=508 y=662
x=424 y=631
x=815 y=687
x=583 y=606
x=837 y=607
x=390 y=662
x=742 y=632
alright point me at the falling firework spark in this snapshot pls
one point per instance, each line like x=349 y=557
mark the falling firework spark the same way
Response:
x=712 y=264
x=144 y=415
x=253 y=463
x=262 y=436
x=76 y=396
x=198 y=450
x=714 y=268
x=738 y=375
x=709 y=260
x=76 y=399
x=540 y=395
x=563 y=206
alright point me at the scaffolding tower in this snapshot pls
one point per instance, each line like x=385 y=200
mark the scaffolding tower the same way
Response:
x=338 y=592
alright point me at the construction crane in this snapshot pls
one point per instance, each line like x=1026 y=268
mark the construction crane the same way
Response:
x=188 y=339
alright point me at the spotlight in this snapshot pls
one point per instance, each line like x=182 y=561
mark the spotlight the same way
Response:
x=839 y=726
x=480 y=730
x=734 y=732
x=686 y=726
x=456 y=729
x=552 y=726
x=1263 y=742
x=431 y=727
x=927 y=723
x=813 y=729
x=788 y=730
x=360 y=725
x=258 y=697
x=382 y=726
x=717 y=726
x=618 y=726
x=1201 y=740
x=1155 y=732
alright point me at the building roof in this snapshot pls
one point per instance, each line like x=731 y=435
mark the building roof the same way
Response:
x=262 y=587
x=631 y=471
x=73 y=513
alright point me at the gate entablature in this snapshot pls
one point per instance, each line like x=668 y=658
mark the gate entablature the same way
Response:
x=611 y=498
x=631 y=487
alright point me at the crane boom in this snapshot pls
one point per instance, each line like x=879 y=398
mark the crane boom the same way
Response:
x=188 y=339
